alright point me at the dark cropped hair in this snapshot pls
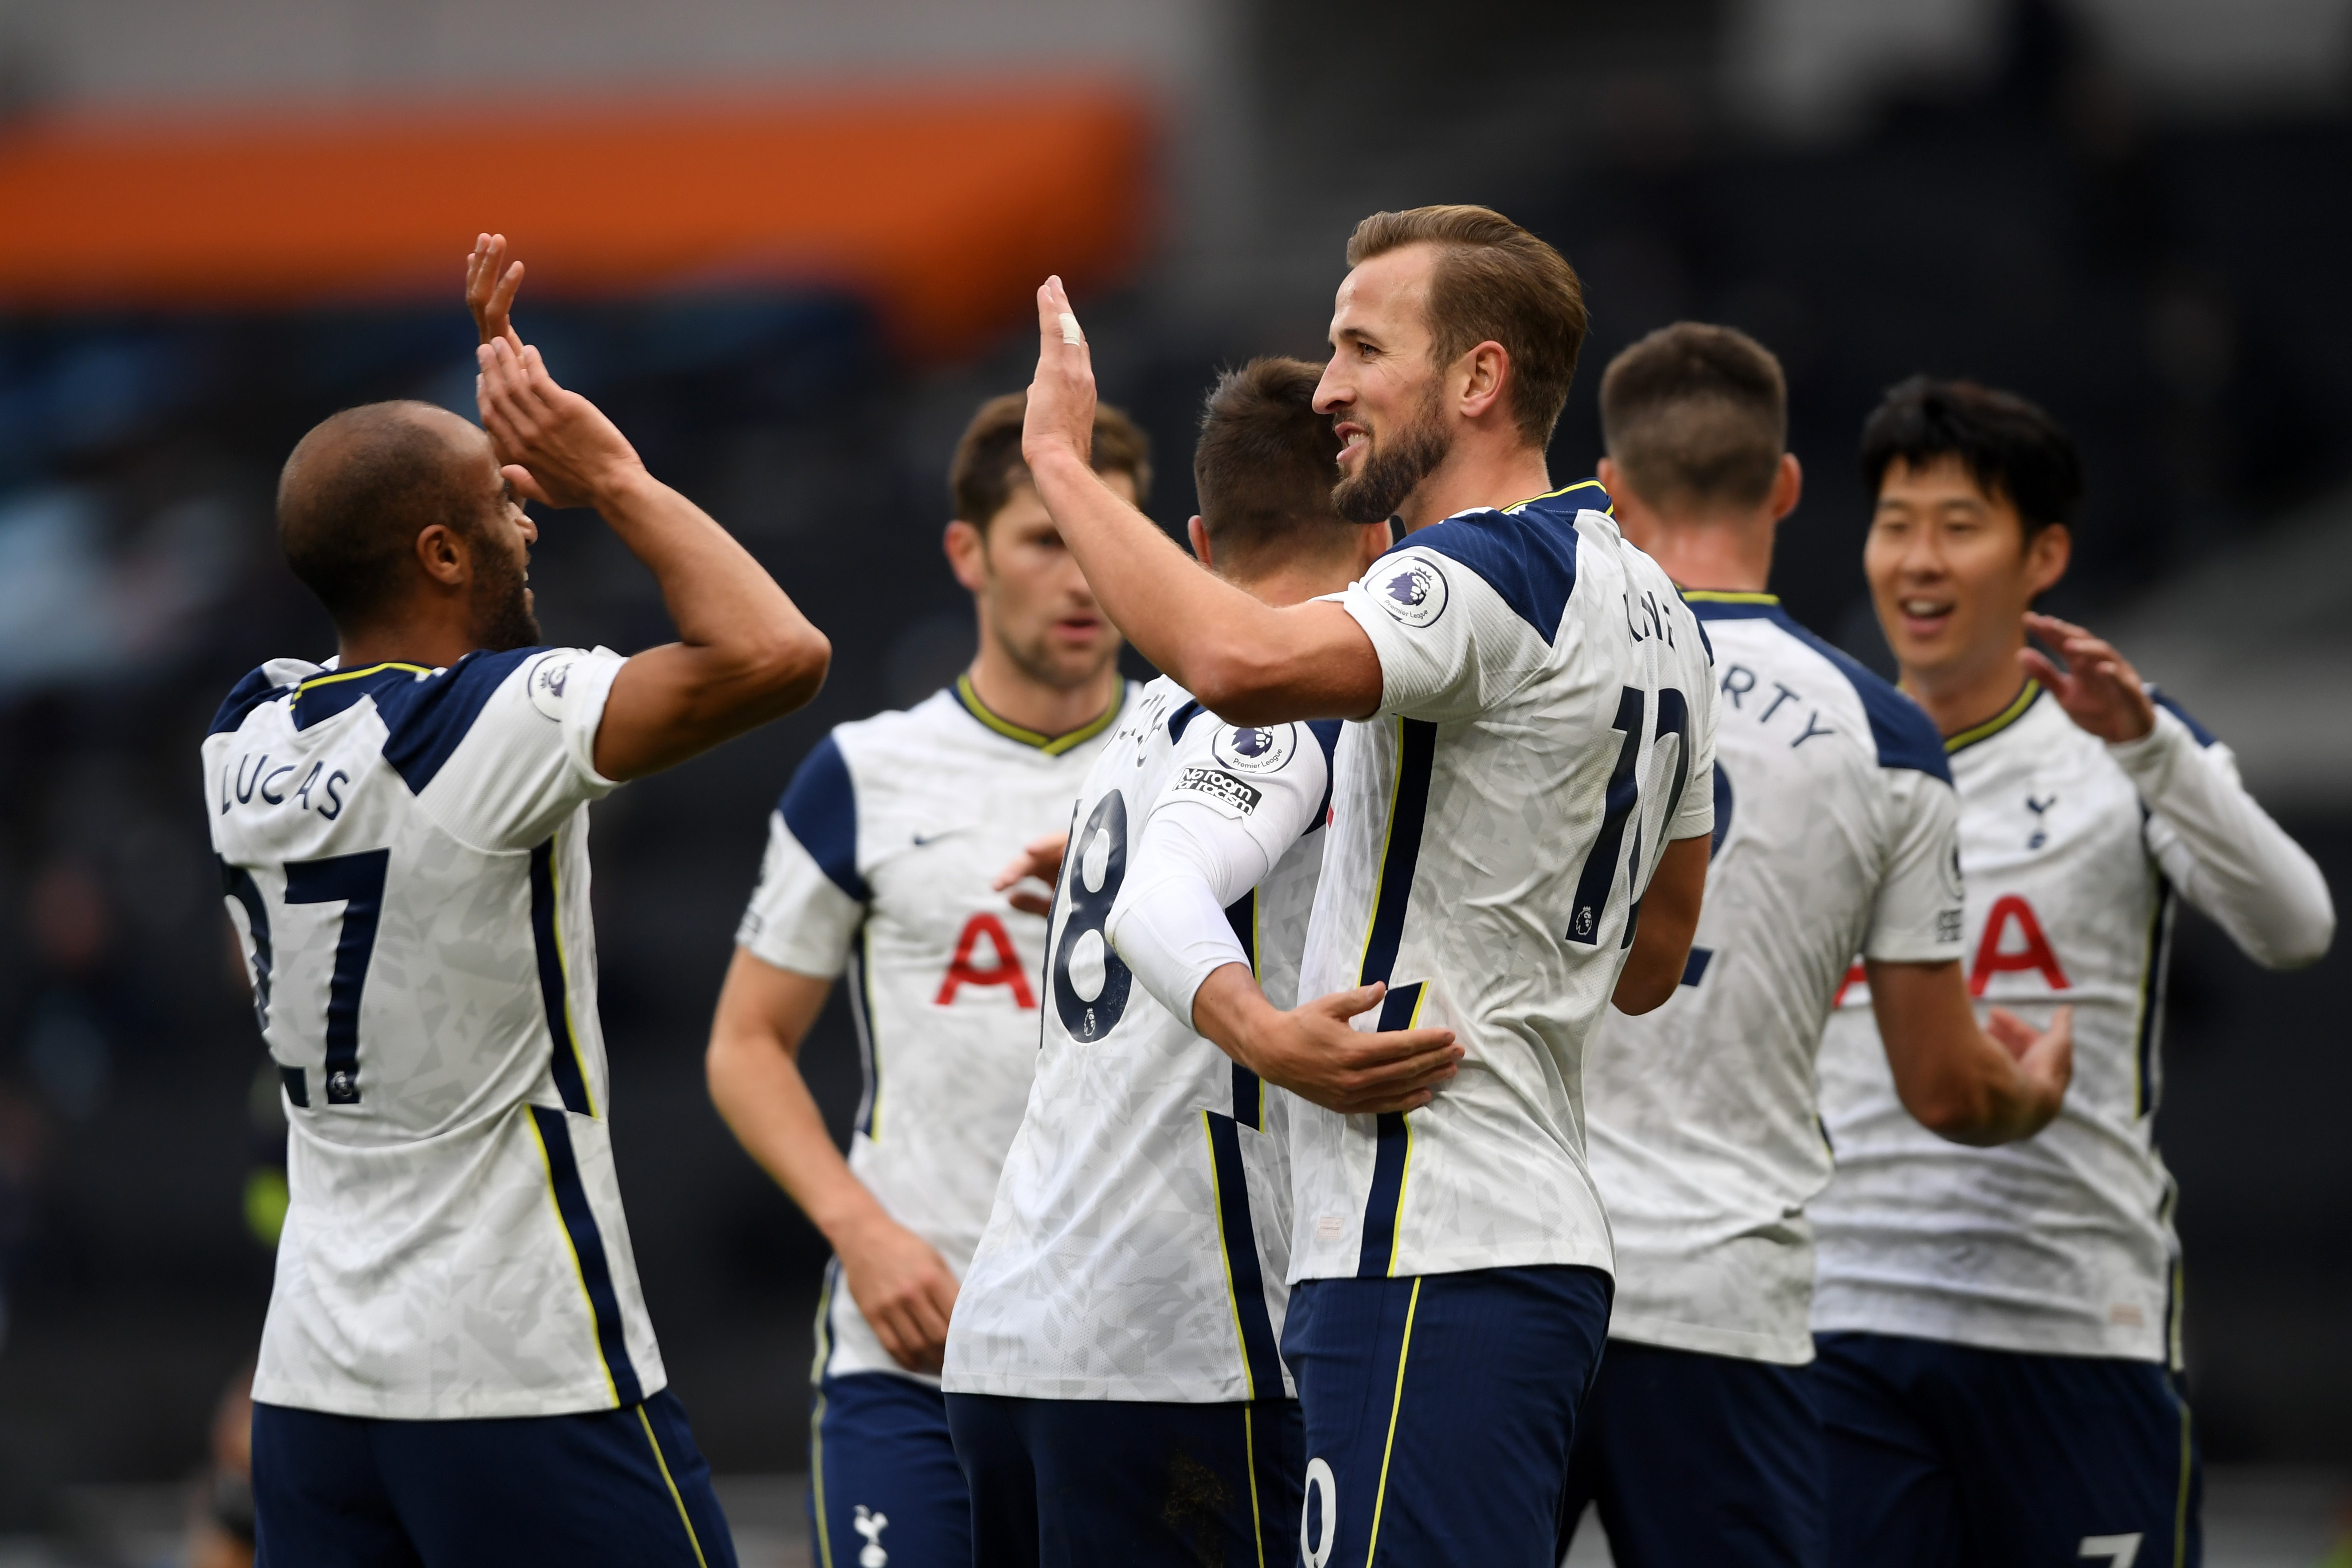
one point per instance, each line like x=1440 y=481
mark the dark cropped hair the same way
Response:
x=1265 y=462
x=1696 y=413
x=988 y=467
x=356 y=492
x=2011 y=447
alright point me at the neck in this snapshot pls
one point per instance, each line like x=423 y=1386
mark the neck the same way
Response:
x=1962 y=694
x=1733 y=554
x=434 y=645
x=1296 y=583
x=1015 y=695
x=1480 y=471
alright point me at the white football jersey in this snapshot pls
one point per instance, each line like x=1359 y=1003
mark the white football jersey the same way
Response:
x=2073 y=849
x=1140 y=1236
x=879 y=859
x=406 y=853
x=1836 y=832
x=1546 y=726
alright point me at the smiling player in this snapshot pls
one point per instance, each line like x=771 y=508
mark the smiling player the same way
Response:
x=1534 y=719
x=1999 y=1329
x=879 y=860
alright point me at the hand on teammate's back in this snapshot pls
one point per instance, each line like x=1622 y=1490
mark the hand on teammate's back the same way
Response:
x=2045 y=1060
x=557 y=446
x=1040 y=859
x=903 y=1287
x=2099 y=688
x=1312 y=1050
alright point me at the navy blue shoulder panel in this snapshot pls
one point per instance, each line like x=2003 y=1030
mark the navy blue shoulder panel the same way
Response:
x=243 y=698
x=1326 y=735
x=2204 y=737
x=428 y=718
x=1528 y=557
x=1906 y=737
x=1180 y=720
x=820 y=807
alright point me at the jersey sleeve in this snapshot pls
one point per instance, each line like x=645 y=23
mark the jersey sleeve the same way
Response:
x=2221 y=849
x=812 y=899
x=508 y=746
x=1449 y=646
x=1917 y=915
x=1238 y=797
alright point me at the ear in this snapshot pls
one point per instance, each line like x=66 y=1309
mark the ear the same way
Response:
x=1485 y=372
x=446 y=555
x=1610 y=476
x=1198 y=533
x=1788 y=486
x=967 y=553
x=2046 y=559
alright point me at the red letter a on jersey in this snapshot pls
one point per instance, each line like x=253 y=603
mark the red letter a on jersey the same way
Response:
x=1007 y=971
x=2035 y=954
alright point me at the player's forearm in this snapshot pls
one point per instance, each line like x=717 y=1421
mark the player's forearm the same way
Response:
x=1955 y=1080
x=745 y=633
x=2232 y=859
x=766 y=1103
x=1668 y=914
x=1240 y=659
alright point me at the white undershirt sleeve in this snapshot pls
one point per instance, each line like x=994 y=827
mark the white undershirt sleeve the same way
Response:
x=2222 y=851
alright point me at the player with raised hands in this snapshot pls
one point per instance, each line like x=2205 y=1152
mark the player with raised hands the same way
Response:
x=1113 y=1376
x=1835 y=832
x=1534 y=731
x=1999 y=1329
x=457 y=1366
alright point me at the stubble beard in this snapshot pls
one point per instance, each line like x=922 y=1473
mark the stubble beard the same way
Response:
x=1394 y=467
x=501 y=603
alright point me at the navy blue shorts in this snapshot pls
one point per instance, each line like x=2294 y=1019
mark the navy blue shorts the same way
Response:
x=883 y=1484
x=618 y=1486
x=1947 y=1455
x=1699 y=1459
x=1078 y=1483
x=1439 y=1411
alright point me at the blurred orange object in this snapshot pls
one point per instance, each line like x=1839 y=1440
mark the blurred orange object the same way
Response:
x=944 y=207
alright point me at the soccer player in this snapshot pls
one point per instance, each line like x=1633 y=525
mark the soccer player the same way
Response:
x=1835 y=832
x=1113 y=1378
x=457 y=1366
x=1999 y=1329
x=879 y=862
x=1535 y=732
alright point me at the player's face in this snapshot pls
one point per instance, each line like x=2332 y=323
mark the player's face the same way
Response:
x=1951 y=571
x=1381 y=388
x=1035 y=600
x=500 y=600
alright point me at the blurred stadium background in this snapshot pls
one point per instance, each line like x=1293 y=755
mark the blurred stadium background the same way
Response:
x=789 y=245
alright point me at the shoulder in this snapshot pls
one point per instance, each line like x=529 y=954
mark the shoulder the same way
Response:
x=1526 y=553
x=1905 y=736
x=426 y=718
x=2203 y=736
x=275 y=679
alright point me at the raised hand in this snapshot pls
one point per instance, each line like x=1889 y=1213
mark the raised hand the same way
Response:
x=2099 y=688
x=490 y=292
x=1061 y=416
x=2045 y=1060
x=1040 y=858
x=556 y=446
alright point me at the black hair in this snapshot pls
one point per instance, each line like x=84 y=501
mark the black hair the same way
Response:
x=357 y=491
x=2012 y=447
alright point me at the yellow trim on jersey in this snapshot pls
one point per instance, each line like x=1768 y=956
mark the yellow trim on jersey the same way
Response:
x=1726 y=597
x=1609 y=510
x=1381 y=1498
x=2141 y=1023
x=817 y=1481
x=333 y=676
x=1052 y=745
x=1225 y=1257
x=683 y=1518
x=1249 y=1457
x=2180 y=1506
x=555 y=926
x=1379 y=873
x=873 y=1035
x=578 y=1272
x=1404 y=1172
x=1997 y=722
